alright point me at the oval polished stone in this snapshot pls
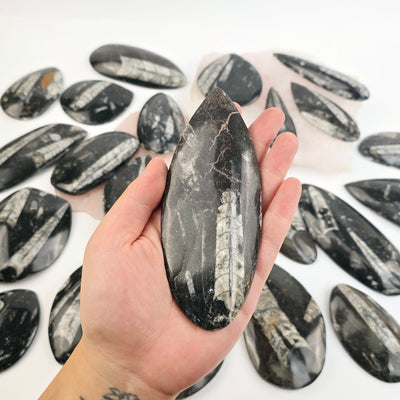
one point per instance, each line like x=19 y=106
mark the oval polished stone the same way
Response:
x=200 y=384
x=93 y=161
x=34 y=229
x=350 y=240
x=274 y=100
x=381 y=195
x=367 y=332
x=19 y=320
x=299 y=245
x=95 y=102
x=33 y=94
x=383 y=148
x=211 y=214
x=285 y=337
x=327 y=78
x=136 y=65
x=233 y=74
x=160 y=124
x=65 y=329
x=323 y=113
x=36 y=150
x=121 y=178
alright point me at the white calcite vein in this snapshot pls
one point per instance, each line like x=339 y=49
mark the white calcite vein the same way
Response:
x=27 y=253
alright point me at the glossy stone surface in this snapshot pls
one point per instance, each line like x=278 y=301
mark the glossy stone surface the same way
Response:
x=200 y=384
x=285 y=337
x=367 y=332
x=350 y=240
x=65 y=329
x=233 y=74
x=325 y=114
x=327 y=78
x=383 y=148
x=136 y=65
x=299 y=245
x=19 y=320
x=93 y=161
x=160 y=124
x=211 y=214
x=95 y=102
x=274 y=100
x=34 y=229
x=381 y=195
x=36 y=150
x=33 y=94
x=121 y=178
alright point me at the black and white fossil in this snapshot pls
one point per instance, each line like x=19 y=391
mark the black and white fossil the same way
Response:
x=274 y=100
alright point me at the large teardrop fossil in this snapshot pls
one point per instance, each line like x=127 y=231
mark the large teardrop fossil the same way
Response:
x=211 y=214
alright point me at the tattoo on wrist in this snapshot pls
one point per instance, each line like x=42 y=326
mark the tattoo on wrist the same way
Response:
x=116 y=394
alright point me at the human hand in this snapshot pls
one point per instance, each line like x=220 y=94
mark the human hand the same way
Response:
x=134 y=334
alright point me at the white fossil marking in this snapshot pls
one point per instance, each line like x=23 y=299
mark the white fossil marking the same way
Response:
x=88 y=95
x=208 y=77
x=13 y=208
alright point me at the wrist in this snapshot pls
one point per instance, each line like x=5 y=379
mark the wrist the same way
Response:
x=88 y=376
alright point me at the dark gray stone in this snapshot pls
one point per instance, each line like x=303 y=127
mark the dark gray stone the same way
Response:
x=274 y=100
x=350 y=240
x=121 y=178
x=233 y=74
x=383 y=148
x=19 y=320
x=65 y=329
x=200 y=384
x=93 y=161
x=367 y=332
x=34 y=229
x=160 y=124
x=325 y=114
x=327 y=78
x=95 y=102
x=211 y=214
x=381 y=195
x=138 y=66
x=299 y=245
x=36 y=150
x=33 y=94
x=285 y=338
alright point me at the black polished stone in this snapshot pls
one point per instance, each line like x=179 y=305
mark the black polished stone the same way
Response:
x=327 y=78
x=121 y=178
x=200 y=384
x=350 y=240
x=65 y=329
x=34 y=229
x=274 y=100
x=383 y=148
x=233 y=74
x=160 y=124
x=19 y=320
x=33 y=94
x=299 y=245
x=95 y=102
x=368 y=333
x=136 y=65
x=285 y=337
x=36 y=150
x=323 y=113
x=93 y=161
x=211 y=214
x=381 y=195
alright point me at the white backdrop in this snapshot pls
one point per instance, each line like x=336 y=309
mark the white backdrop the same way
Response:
x=361 y=38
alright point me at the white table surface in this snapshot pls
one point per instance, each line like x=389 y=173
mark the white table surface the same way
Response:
x=361 y=38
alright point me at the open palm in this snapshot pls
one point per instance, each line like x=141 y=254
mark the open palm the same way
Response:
x=129 y=317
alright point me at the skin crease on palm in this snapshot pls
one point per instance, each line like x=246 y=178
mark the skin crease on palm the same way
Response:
x=134 y=335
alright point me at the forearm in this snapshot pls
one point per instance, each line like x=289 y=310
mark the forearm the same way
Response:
x=83 y=378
